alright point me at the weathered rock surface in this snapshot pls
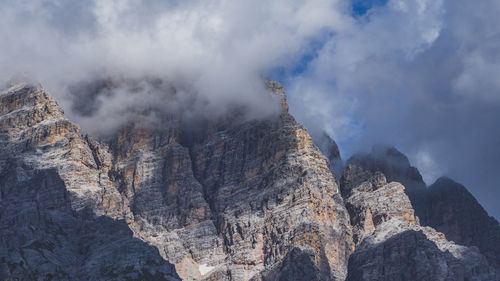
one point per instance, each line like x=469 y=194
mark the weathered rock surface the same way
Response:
x=220 y=199
x=391 y=245
x=455 y=212
x=331 y=150
x=396 y=167
x=447 y=206
x=60 y=216
x=230 y=200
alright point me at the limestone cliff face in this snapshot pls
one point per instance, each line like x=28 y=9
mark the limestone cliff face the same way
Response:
x=391 y=245
x=61 y=217
x=221 y=199
x=396 y=167
x=445 y=206
x=331 y=150
x=231 y=200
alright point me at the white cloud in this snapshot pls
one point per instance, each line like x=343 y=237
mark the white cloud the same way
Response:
x=218 y=49
x=419 y=74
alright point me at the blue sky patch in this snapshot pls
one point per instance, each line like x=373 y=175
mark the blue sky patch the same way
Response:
x=361 y=7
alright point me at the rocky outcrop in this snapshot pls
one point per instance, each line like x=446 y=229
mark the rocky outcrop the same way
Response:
x=447 y=206
x=331 y=150
x=391 y=244
x=396 y=167
x=220 y=199
x=60 y=215
x=231 y=199
x=225 y=199
x=455 y=212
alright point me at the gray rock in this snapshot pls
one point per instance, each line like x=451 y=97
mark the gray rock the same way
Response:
x=391 y=244
x=61 y=218
x=455 y=212
x=228 y=199
x=396 y=167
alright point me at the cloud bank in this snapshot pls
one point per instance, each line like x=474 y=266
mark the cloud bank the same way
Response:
x=421 y=75
x=218 y=50
x=418 y=74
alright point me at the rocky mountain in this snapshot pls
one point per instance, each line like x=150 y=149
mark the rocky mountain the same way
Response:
x=455 y=212
x=391 y=243
x=61 y=218
x=221 y=199
x=396 y=167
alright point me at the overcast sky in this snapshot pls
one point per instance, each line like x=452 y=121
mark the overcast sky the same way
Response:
x=423 y=75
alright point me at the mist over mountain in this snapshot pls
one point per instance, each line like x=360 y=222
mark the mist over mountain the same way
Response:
x=420 y=75
x=154 y=140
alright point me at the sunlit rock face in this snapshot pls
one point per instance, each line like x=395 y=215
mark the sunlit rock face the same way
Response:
x=445 y=206
x=396 y=167
x=391 y=244
x=228 y=199
x=61 y=217
x=225 y=199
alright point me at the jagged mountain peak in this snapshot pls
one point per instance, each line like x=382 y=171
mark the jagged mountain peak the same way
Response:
x=220 y=199
x=453 y=210
x=396 y=167
x=390 y=242
x=230 y=206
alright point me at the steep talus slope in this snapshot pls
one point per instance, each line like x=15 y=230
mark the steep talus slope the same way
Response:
x=54 y=186
x=455 y=212
x=391 y=245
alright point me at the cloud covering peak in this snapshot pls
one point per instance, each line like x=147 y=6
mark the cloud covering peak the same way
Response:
x=418 y=74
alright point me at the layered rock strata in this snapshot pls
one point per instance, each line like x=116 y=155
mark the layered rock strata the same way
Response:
x=61 y=217
x=233 y=200
x=391 y=244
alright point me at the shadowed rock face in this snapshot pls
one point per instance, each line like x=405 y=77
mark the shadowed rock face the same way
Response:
x=396 y=167
x=53 y=187
x=455 y=212
x=330 y=149
x=223 y=200
x=391 y=244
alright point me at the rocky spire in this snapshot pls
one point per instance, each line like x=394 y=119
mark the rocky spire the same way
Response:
x=396 y=167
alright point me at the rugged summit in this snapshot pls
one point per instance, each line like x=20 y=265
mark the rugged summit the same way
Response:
x=232 y=201
x=445 y=206
x=61 y=218
x=455 y=212
x=391 y=244
x=220 y=199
